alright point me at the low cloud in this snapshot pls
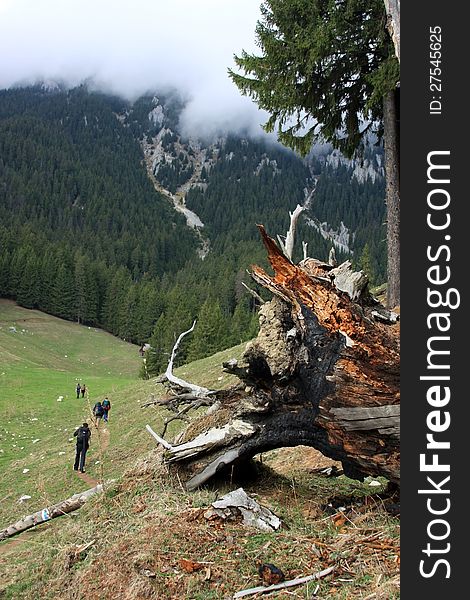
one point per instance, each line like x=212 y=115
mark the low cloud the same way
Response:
x=131 y=48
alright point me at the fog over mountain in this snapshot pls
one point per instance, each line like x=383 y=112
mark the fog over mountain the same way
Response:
x=131 y=48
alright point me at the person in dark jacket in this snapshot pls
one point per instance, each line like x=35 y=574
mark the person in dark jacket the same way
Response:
x=83 y=435
x=98 y=412
x=78 y=389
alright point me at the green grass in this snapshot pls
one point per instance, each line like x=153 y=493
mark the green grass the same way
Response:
x=43 y=360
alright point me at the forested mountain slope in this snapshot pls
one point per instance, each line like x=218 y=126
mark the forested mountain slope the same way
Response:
x=113 y=215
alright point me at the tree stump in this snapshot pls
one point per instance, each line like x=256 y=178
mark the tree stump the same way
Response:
x=323 y=372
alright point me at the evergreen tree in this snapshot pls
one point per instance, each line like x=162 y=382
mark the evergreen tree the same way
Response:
x=211 y=332
x=328 y=72
x=63 y=290
x=241 y=322
x=114 y=308
x=5 y=274
x=158 y=355
x=128 y=314
x=324 y=70
x=365 y=263
x=28 y=286
x=149 y=308
x=81 y=288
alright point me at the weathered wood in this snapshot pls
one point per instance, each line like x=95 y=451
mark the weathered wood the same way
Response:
x=305 y=250
x=332 y=257
x=386 y=316
x=46 y=514
x=197 y=390
x=215 y=437
x=323 y=372
x=255 y=294
x=392 y=8
x=159 y=439
x=284 y=584
x=287 y=245
x=211 y=469
x=372 y=412
x=253 y=514
x=349 y=281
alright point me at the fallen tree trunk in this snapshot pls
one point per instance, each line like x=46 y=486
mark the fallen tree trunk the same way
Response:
x=323 y=372
x=46 y=514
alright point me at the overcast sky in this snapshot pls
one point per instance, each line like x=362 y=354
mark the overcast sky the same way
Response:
x=129 y=47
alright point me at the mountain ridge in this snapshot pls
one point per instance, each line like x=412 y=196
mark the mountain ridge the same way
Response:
x=96 y=194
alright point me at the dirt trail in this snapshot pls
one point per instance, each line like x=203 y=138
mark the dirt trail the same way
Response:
x=7 y=546
x=101 y=438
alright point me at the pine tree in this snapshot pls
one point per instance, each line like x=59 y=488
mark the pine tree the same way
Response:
x=365 y=263
x=158 y=355
x=114 y=308
x=4 y=274
x=328 y=72
x=28 y=286
x=81 y=288
x=323 y=61
x=211 y=332
x=148 y=310
x=241 y=322
x=63 y=291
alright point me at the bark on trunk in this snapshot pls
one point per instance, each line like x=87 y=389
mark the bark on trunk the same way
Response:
x=392 y=197
x=323 y=372
x=392 y=8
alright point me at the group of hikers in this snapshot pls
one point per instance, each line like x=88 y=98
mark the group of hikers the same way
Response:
x=101 y=410
x=83 y=433
x=80 y=389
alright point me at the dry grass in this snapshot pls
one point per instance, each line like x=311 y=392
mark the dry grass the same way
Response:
x=146 y=526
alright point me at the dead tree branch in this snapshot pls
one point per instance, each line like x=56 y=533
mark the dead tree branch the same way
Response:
x=253 y=293
x=281 y=586
x=46 y=514
x=197 y=390
x=287 y=246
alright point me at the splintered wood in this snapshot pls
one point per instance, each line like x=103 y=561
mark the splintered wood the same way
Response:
x=322 y=372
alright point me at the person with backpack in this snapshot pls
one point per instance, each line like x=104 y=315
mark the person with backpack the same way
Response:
x=83 y=435
x=98 y=411
x=83 y=390
x=77 y=389
x=106 y=404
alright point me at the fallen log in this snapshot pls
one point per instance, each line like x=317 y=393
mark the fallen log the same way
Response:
x=46 y=514
x=323 y=372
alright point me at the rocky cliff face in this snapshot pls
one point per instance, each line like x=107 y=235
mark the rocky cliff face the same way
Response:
x=178 y=164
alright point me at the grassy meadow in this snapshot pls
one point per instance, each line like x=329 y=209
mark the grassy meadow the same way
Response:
x=41 y=360
x=140 y=534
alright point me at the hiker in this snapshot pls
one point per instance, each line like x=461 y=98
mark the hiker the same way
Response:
x=78 y=388
x=98 y=411
x=83 y=390
x=106 y=404
x=83 y=435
